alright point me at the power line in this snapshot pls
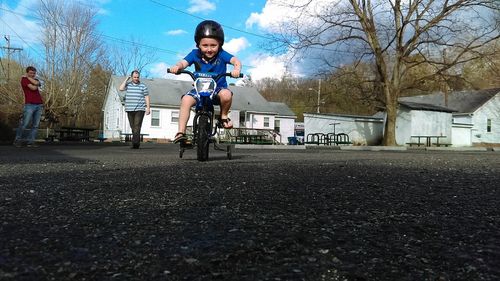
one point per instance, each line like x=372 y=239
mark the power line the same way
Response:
x=201 y=18
x=13 y=30
x=107 y=37
x=114 y=39
x=244 y=31
x=123 y=41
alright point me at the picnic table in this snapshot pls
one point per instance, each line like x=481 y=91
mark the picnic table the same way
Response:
x=250 y=139
x=128 y=136
x=67 y=133
x=427 y=140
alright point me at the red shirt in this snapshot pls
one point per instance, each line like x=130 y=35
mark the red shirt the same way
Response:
x=30 y=96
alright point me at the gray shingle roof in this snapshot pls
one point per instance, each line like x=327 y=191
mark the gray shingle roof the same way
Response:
x=425 y=106
x=282 y=109
x=461 y=101
x=168 y=92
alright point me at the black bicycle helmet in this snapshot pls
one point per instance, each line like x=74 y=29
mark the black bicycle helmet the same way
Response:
x=209 y=29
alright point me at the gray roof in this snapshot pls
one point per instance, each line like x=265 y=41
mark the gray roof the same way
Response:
x=461 y=102
x=425 y=106
x=282 y=109
x=168 y=92
x=350 y=116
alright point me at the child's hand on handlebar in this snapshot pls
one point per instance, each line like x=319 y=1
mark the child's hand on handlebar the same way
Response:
x=235 y=73
x=174 y=69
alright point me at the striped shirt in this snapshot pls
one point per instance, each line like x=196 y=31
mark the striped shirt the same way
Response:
x=134 y=99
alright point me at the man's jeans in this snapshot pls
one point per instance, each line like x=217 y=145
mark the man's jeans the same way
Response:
x=32 y=114
x=135 y=120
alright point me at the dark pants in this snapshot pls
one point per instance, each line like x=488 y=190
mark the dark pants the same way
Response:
x=135 y=121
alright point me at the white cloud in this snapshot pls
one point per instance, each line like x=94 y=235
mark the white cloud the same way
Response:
x=237 y=44
x=175 y=32
x=273 y=16
x=13 y=22
x=160 y=70
x=266 y=66
x=201 y=6
x=276 y=12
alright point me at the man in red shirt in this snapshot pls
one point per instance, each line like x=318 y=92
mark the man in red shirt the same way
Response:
x=33 y=107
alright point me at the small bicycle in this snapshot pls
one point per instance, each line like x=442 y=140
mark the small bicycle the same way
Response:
x=203 y=122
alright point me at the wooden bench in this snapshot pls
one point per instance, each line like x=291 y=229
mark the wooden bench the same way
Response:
x=442 y=144
x=415 y=143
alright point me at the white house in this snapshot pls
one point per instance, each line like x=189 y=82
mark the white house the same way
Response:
x=475 y=117
x=362 y=130
x=420 y=119
x=249 y=110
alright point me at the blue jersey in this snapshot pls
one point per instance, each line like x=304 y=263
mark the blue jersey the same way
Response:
x=216 y=65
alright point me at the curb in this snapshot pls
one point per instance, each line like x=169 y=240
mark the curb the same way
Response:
x=374 y=148
x=365 y=148
x=267 y=146
x=457 y=148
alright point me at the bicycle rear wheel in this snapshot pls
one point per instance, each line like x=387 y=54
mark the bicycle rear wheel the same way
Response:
x=203 y=137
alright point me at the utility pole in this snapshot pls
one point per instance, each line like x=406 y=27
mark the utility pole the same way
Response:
x=9 y=51
x=319 y=95
x=318 y=91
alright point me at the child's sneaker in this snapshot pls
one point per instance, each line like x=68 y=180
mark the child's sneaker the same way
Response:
x=32 y=145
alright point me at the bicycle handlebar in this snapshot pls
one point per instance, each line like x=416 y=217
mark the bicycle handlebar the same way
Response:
x=194 y=78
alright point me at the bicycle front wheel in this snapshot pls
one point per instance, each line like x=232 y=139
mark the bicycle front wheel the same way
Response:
x=203 y=137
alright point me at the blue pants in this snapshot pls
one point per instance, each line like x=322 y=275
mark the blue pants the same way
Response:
x=32 y=114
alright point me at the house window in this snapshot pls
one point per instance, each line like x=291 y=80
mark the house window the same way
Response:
x=277 y=125
x=266 y=122
x=155 y=118
x=488 y=125
x=175 y=117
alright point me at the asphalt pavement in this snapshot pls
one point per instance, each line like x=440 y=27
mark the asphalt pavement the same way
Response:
x=108 y=212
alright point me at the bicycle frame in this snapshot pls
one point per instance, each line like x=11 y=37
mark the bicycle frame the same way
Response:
x=203 y=125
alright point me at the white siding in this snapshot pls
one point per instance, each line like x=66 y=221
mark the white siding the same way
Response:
x=166 y=129
x=490 y=110
x=422 y=123
x=113 y=115
x=287 y=128
x=403 y=126
x=361 y=131
x=234 y=115
x=256 y=121
x=461 y=135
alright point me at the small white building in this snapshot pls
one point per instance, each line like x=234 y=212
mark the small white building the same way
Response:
x=475 y=117
x=249 y=110
x=362 y=130
x=419 y=119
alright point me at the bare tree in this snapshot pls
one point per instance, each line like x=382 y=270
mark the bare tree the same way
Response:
x=395 y=36
x=72 y=48
x=131 y=55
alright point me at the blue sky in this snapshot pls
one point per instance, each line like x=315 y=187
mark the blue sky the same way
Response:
x=167 y=25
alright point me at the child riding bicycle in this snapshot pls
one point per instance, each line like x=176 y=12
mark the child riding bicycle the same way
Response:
x=208 y=57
